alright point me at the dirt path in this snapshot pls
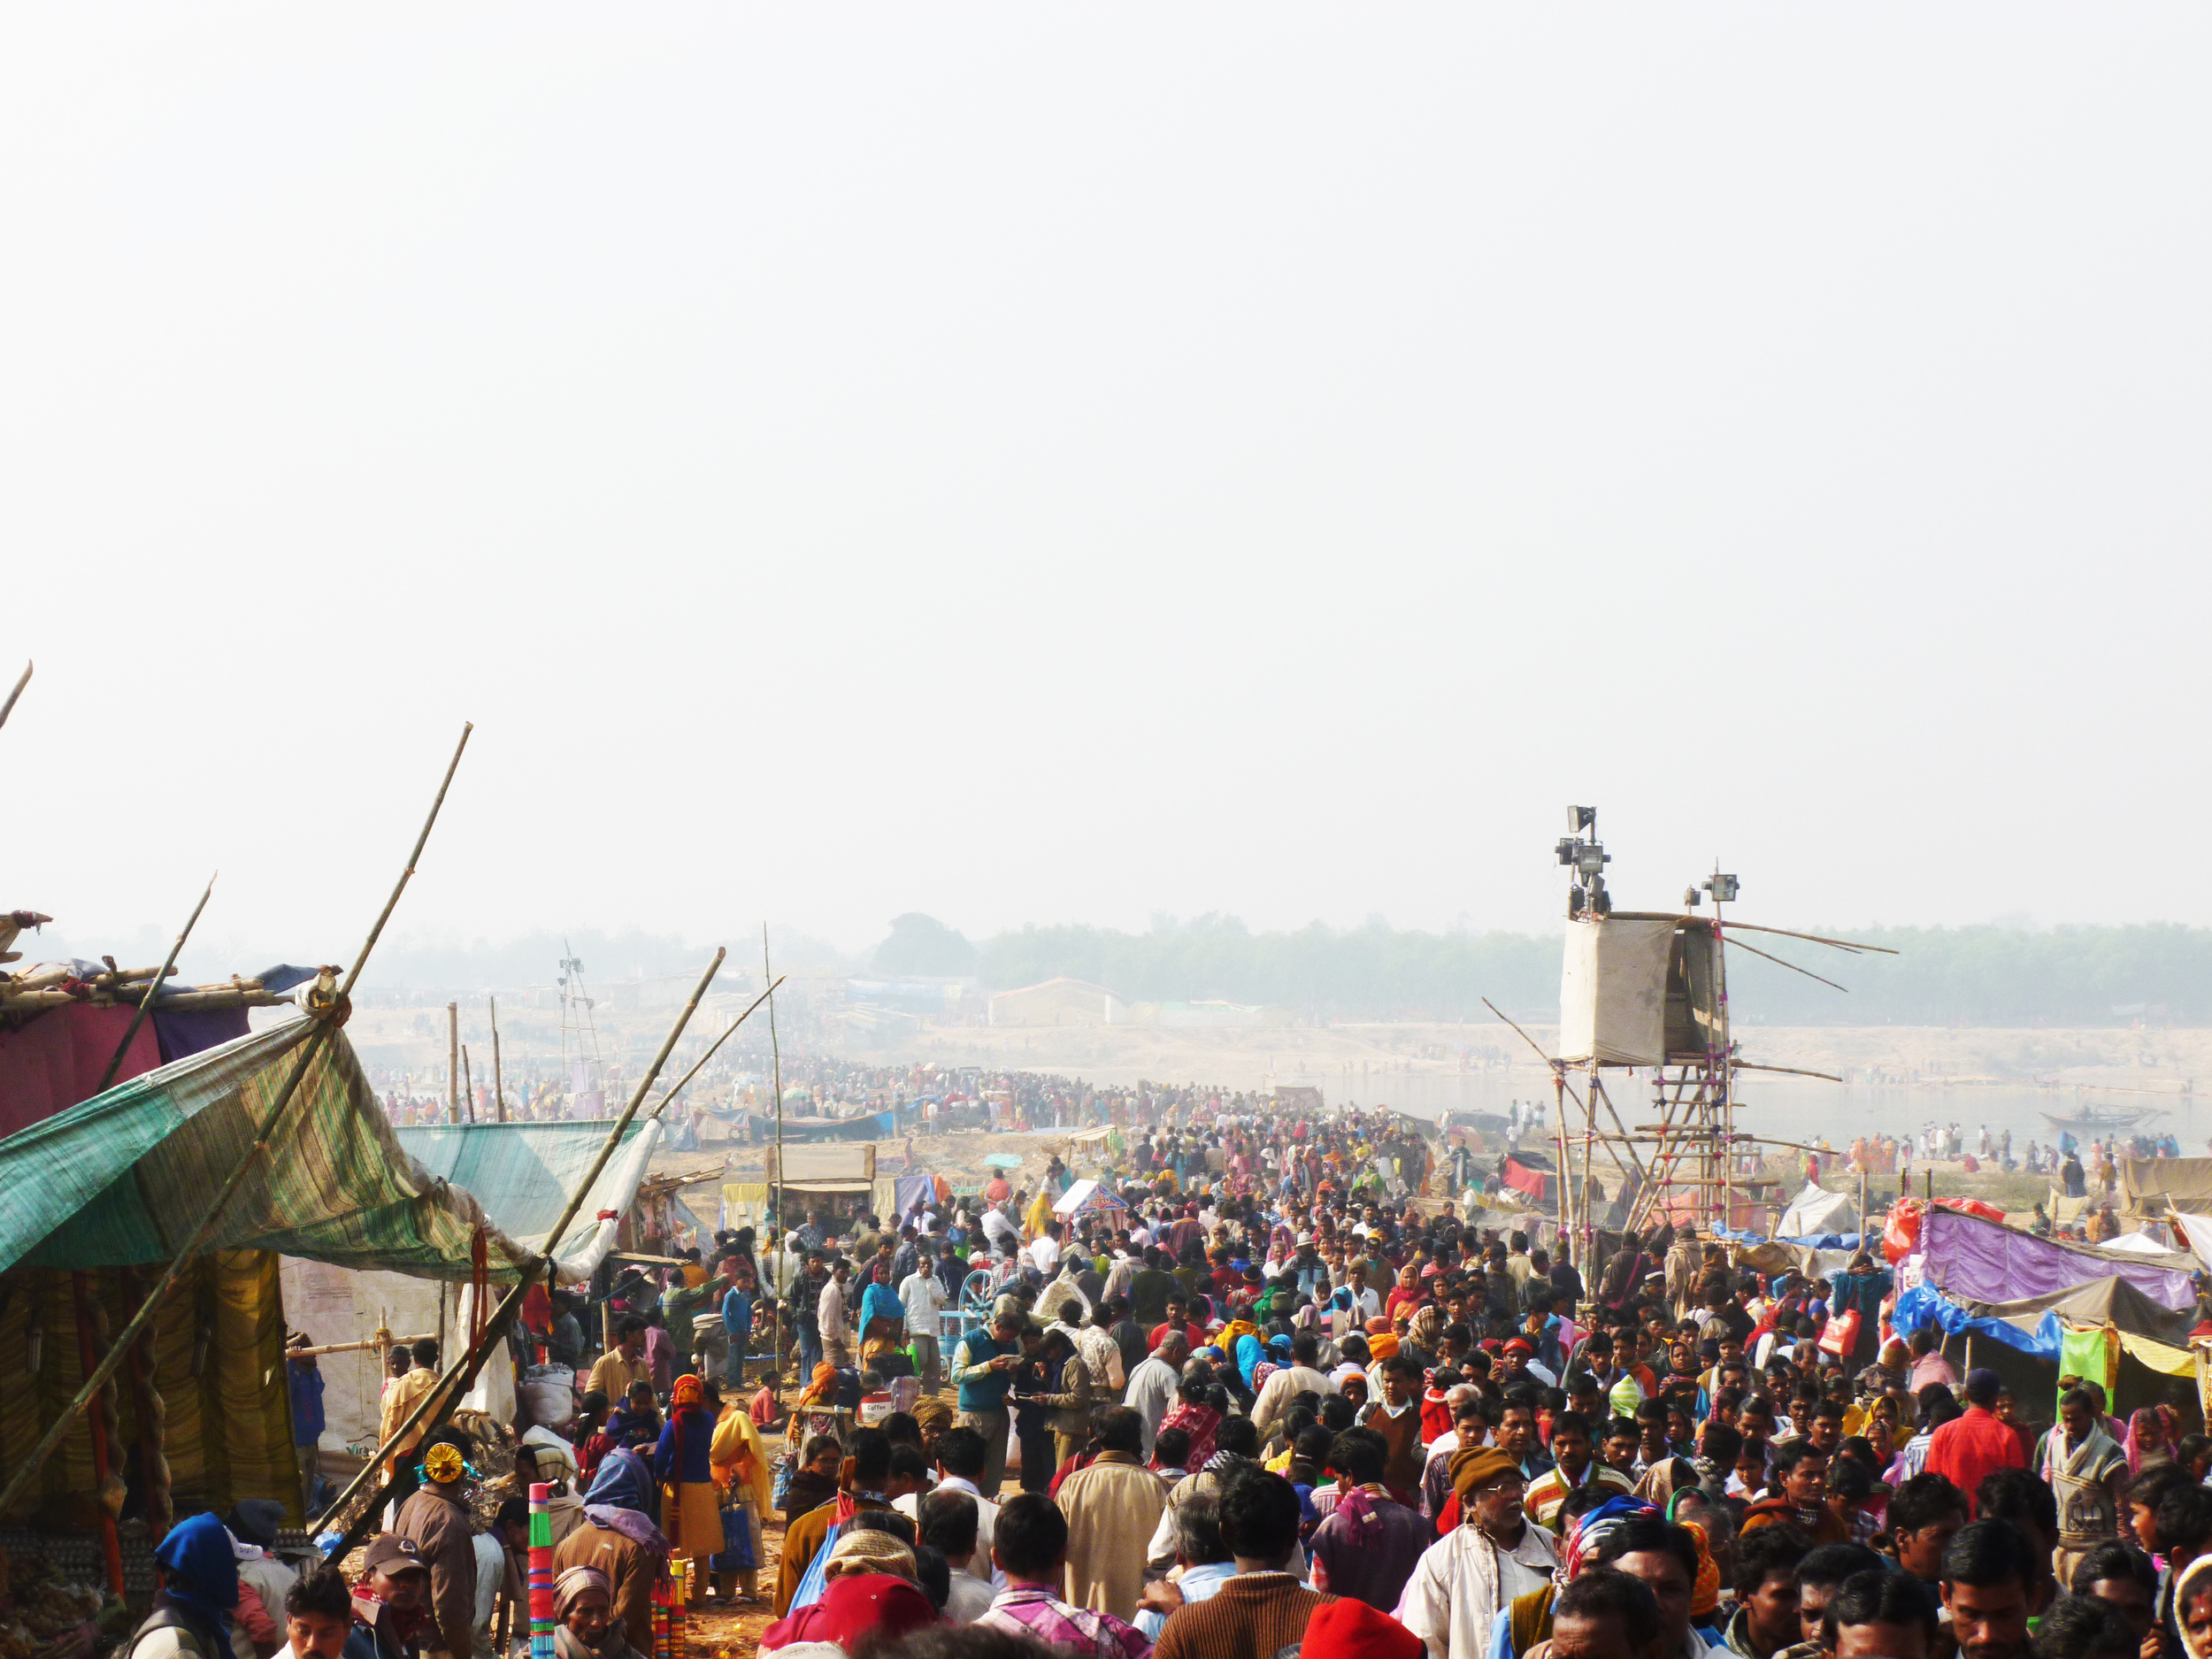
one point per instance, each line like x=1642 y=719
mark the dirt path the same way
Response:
x=718 y=1631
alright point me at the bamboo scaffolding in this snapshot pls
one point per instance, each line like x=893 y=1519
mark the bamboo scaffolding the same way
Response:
x=462 y=1373
x=328 y=1016
x=146 y=1004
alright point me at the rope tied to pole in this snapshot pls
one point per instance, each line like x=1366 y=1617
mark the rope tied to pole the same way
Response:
x=325 y=1002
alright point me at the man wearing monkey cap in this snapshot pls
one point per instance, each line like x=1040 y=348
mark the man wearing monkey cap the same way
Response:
x=1492 y=1555
x=436 y=1520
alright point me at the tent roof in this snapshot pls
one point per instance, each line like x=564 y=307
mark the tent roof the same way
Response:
x=124 y=1177
x=2184 y=1183
x=1815 y=1212
x=2112 y=1301
x=523 y=1174
x=1971 y=1259
x=1085 y=1196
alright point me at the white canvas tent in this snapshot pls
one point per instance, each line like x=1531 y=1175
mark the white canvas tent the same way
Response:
x=1613 y=991
x=1817 y=1210
x=1084 y=1196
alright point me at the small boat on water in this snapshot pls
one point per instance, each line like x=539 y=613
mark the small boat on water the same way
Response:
x=2096 y=1122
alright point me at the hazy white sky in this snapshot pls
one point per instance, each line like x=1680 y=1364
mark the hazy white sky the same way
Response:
x=1045 y=463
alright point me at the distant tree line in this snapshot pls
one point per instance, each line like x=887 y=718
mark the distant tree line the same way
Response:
x=1981 y=976
x=1975 y=976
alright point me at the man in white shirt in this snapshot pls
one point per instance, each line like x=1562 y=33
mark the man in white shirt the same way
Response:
x=830 y=1315
x=923 y=1296
x=1301 y=1376
x=1044 y=1251
x=1004 y=1236
x=1152 y=1385
x=961 y=1453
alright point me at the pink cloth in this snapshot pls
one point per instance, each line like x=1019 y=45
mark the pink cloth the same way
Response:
x=53 y=1061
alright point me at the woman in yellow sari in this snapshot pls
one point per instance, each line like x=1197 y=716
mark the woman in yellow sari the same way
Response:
x=740 y=1474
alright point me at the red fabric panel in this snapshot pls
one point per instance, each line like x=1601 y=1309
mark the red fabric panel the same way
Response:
x=56 y=1060
x=1521 y=1178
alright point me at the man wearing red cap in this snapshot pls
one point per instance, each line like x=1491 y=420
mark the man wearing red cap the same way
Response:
x=1346 y=1629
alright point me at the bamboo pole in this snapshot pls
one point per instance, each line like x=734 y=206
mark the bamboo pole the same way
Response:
x=110 y=1541
x=1841 y=944
x=381 y=1343
x=468 y=1088
x=1792 y=966
x=1566 y=1202
x=8 y=708
x=453 y=1062
x=146 y=1002
x=775 y=1049
x=462 y=1373
x=678 y=1087
x=1792 y=1070
x=499 y=1084
x=325 y=1022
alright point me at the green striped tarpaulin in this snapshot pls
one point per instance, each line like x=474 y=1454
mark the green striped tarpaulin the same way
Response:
x=523 y=1174
x=126 y=1177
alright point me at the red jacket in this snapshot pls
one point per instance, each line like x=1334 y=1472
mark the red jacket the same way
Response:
x=1967 y=1449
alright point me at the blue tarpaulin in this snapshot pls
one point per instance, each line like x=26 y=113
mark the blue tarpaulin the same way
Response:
x=1825 y=1241
x=1923 y=1304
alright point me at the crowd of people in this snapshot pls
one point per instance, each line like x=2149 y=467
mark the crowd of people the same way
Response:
x=1266 y=1398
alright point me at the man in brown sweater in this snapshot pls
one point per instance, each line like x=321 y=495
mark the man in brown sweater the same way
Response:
x=436 y=1521
x=1263 y=1610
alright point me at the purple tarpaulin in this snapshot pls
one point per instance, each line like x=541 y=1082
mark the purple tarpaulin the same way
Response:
x=183 y=1034
x=1972 y=1260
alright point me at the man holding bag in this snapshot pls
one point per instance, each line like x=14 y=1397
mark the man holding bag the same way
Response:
x=1854 y=1331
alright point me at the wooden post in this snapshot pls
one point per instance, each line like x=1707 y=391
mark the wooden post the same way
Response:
x=468 y=1088
x=111 y=1544
x=775 y=1049
x=463 y=1373
x=146 y=1002
x=325 y=1023
x=453 y=1062
x=499 y=1085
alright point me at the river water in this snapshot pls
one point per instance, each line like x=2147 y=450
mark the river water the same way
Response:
x=1805 y=1108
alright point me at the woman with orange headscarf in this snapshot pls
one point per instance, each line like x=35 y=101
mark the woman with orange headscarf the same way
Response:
x=691 y=1508
x=816 y=1411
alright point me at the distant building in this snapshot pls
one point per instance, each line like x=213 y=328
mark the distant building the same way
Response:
x=1059 y=1003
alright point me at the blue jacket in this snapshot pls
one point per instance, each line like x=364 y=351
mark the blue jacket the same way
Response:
x=698 y=1438
x=737 y=1313
x=986 y=1391
x=308 y=1417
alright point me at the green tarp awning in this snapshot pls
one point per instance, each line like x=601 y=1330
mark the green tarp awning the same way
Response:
x=124 y=1177
x=523 y=1174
